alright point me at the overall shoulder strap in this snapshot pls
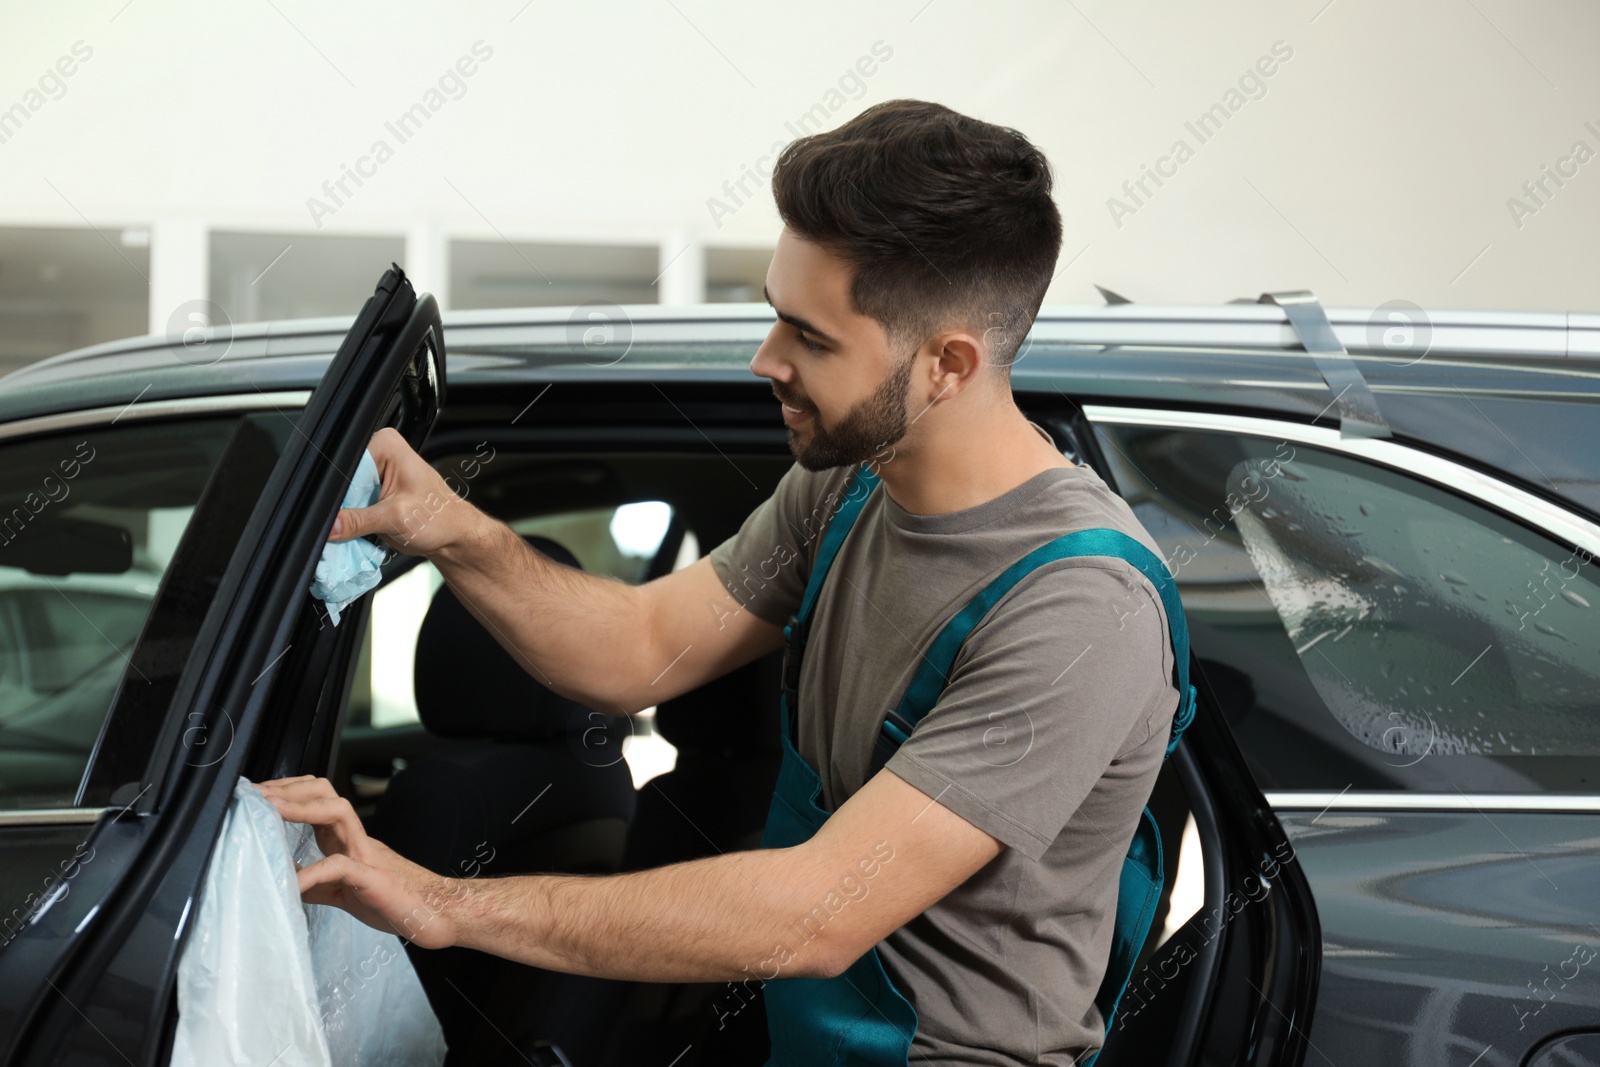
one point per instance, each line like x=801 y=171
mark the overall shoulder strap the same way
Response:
x=798 y=628
x=934 y=670
x=856 y=492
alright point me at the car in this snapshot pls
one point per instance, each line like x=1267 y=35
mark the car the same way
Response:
x=1383 y=521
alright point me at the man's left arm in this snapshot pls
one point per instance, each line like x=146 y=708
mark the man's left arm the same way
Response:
x=883 y=858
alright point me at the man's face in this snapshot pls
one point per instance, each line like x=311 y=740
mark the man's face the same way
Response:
x=835 y=366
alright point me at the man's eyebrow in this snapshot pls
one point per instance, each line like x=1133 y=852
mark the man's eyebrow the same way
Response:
x=797 y=322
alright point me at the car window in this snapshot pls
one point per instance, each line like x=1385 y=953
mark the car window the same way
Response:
x=1369 y=629
x=88 y=524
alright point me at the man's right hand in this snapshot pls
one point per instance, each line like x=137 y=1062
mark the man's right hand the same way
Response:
x=603 y=642
x=417 y=513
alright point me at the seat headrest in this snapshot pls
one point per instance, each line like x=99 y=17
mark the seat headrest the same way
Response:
x=736 y=714
x=468 y=686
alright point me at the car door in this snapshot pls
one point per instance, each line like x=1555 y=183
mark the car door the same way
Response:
x=1414 y=654
x=236 y=670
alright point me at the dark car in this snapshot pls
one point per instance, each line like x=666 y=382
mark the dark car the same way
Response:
x=1383 y=525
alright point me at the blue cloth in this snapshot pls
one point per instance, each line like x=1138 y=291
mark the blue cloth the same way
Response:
x=348 y=569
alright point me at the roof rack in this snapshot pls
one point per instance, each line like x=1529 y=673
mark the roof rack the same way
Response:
x=1357 y=407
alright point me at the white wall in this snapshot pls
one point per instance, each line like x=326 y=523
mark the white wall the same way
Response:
x=1377 y=165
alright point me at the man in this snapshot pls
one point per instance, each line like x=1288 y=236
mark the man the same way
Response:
x=979 y=866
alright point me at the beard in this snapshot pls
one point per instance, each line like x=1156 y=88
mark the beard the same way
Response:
x=866 y=429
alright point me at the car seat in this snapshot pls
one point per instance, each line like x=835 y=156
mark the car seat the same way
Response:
x=713 y=801
x=531 y=791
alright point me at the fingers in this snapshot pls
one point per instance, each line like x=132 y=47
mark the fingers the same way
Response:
x=382 y=519
x=276 y=783
x=411 y=498
x=350 y=523
x=314 y=801
x=392 y=900
x=334 y=813
x=386 y=446
x=300 y=787
x=384 y=442
x=322 y=881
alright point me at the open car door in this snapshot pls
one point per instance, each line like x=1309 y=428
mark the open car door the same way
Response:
x=236 y=670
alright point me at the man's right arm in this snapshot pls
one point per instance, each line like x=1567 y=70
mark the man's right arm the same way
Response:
x=611 y=646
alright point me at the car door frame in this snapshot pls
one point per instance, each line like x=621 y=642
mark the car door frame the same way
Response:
x=93 y=976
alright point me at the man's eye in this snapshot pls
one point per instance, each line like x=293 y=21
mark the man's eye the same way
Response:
x=809 y=345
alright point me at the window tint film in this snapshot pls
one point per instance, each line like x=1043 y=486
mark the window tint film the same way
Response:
x=1370 y=630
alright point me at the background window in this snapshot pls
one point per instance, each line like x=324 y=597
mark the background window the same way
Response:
x=62 y=289
x=256 y=276
x=1371 y=630
x=736 y=275
x=498 y=274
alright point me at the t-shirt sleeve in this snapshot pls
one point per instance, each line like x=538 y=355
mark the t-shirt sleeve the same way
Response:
x=1069 y=672
x=765 y=566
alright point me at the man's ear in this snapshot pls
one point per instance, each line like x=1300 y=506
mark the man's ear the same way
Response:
x=958 y=362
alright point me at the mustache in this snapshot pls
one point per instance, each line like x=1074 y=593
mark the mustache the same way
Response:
x=790 y=403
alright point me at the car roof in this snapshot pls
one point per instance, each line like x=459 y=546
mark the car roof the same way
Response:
x=1532 y=376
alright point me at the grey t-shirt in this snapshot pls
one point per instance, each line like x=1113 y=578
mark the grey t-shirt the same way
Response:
x=1048 y=735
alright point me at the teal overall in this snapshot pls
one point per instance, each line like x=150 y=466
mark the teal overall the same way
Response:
x=859 y=1018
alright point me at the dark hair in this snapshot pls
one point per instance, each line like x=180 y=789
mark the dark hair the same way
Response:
x=947 y=220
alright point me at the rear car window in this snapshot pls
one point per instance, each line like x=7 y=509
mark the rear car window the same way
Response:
x=1371 y=630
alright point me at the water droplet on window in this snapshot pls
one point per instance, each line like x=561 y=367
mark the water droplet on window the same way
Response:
x=1575 y=598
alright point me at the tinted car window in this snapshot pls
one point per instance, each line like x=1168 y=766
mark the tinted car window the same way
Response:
x=88 y=524
x=1371 y=630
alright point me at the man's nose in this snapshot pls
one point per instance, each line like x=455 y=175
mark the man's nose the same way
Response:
x=766 y=364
